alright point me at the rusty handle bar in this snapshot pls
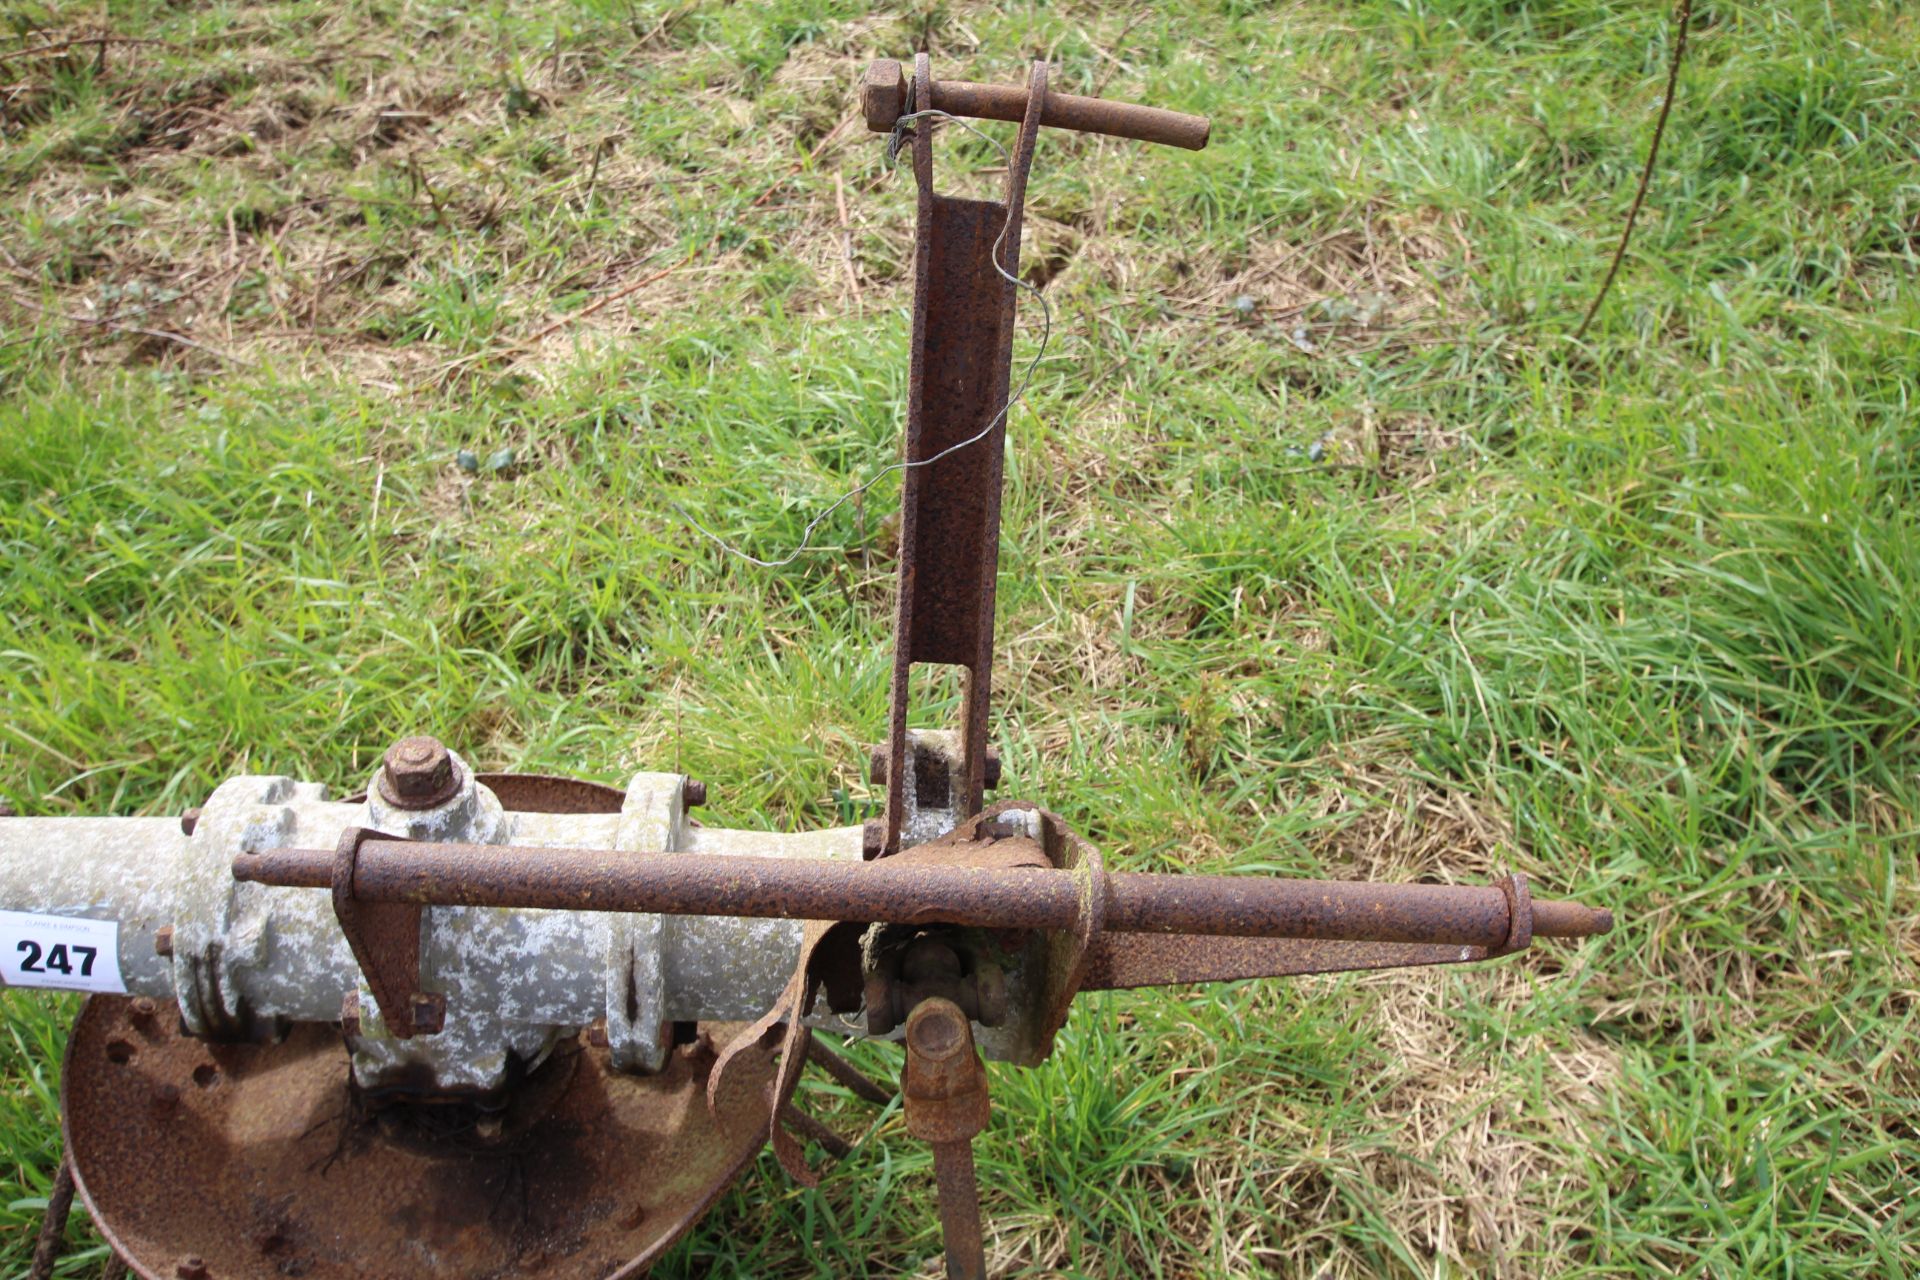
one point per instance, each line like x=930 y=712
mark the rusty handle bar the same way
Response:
x=905 y=893
x=883 y=100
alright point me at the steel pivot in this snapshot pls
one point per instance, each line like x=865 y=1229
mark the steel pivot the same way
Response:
x=945 y=1093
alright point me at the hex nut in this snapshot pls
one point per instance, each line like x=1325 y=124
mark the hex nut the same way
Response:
x=883 y=94
x=418 y=773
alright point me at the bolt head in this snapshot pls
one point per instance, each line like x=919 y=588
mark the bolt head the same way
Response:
x=938 y=1030
x=693 y=793
x=163 y=940
x=419 y=774
x=189 y=820
x=883 y=94
x=429 y=1012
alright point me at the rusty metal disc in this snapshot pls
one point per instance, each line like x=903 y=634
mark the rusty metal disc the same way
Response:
x=541 y=793
x=550 y=793
x=245 y=1160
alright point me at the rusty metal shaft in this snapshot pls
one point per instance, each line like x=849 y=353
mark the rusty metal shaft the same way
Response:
x=959 y=1192
x=884 y=99
x=806 y=889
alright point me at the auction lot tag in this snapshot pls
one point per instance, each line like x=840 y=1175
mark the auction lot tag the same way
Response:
x=60 y=951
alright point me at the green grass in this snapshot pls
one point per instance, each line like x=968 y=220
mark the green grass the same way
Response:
x=1326 y=552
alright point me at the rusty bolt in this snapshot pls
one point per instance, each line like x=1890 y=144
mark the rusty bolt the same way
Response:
x=929 y=961
x=163 y=941
x=883 y=94
x=873 y=839
x=191 y=1269
x=597 y=1035
x=189 y=820
x=419 y=774
x=693 y=793
x=429 y=1010
x=141 y=1011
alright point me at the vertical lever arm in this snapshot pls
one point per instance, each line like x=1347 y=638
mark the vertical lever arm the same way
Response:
x=963 y=313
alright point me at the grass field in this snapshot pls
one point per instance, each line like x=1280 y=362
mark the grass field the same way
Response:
x=1327 y=551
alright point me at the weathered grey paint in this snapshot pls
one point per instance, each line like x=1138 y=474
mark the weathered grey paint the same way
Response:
x=515 y=980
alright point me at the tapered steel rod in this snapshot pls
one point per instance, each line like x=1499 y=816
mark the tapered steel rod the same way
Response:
x=904 y=892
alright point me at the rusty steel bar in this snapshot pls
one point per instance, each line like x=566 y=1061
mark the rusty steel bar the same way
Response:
x=425 y=873
x=959 y=1190
x=856 y=1081
x=53 y=1224
x=884 y=95
x=1268 y=908
x=1164 y=960
x=1072 y=111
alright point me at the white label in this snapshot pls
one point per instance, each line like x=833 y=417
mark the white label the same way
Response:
x=60 y=951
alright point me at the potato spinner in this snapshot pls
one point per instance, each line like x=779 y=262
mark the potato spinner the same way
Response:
x=471 y=1024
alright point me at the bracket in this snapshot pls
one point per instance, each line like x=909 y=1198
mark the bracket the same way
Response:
x=385 y=937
